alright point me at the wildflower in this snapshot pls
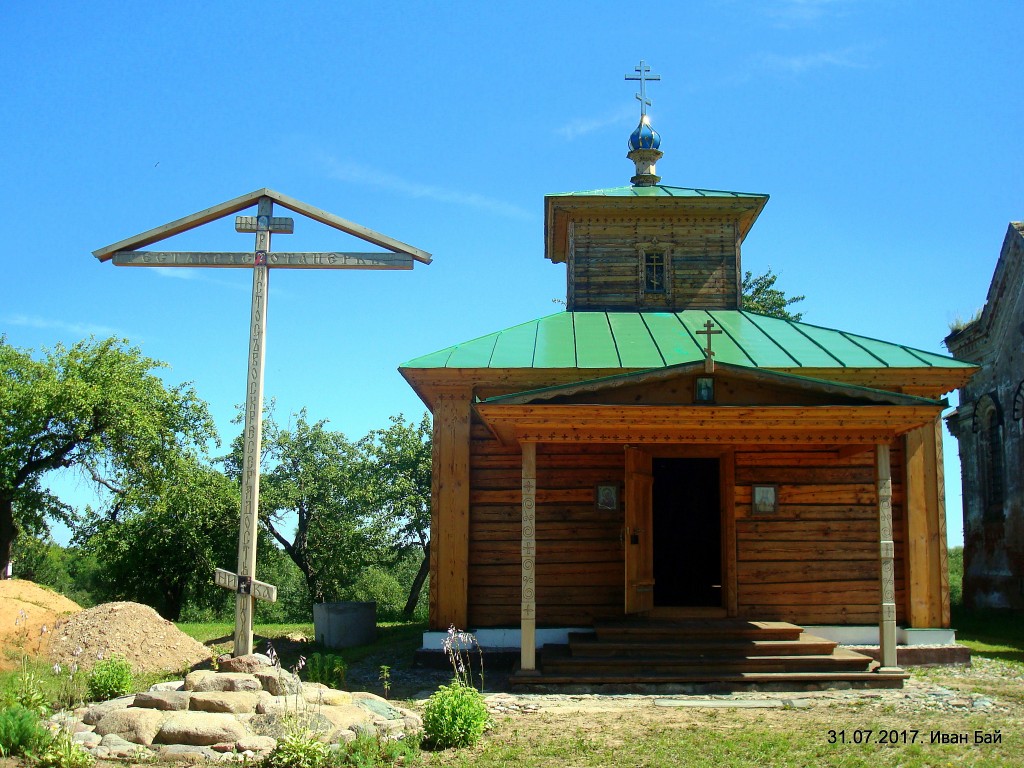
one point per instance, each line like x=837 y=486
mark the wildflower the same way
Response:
x=99 y=655
x=78 y=652
x=56 y=668
x=43 y=630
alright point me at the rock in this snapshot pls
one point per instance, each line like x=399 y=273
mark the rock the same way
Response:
x=170 y=685
x=101 y=753
x=276 y=705
x=87 y=739
x=378 y=707
x=278 y=682
x=318 y=693
x=120 y=747
x=167 y=700
x=279 y=725
x=203 y=681
x=139 y=726
x=200 y=728
x=187 y=753
x=224 y=701
x=251 y=662
x=96 y=712
x=348 y=718
x=256 y=744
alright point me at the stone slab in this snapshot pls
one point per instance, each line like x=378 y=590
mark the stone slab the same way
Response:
x=200 y=728
x=139 y=726
x=235 y=702
x=721 y=703
x=167 y=700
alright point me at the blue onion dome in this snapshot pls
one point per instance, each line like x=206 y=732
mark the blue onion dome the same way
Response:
x=644 y=137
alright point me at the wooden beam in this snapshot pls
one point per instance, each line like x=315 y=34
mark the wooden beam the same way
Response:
x=449 y=547
x=887 y=551
x=528 y=609
x=927 y=577
x=279 y=260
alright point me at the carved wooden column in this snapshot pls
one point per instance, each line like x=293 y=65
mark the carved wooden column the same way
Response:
x=887 y=551
x=528 y=613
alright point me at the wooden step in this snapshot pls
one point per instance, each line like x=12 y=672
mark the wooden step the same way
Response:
x=558 y=660
x=686 y=629
x=587 y=643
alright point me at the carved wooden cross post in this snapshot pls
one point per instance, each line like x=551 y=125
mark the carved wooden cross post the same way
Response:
x=709 y=356
x=243 y=582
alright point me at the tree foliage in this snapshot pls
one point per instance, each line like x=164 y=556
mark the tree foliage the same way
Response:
x=398 y=470
x=98 y=406
x=761 y=296
x=163 y=547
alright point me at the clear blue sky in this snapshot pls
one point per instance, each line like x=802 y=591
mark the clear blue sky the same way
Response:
x=886 y=133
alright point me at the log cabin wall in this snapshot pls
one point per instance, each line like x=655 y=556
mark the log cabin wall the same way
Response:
x=606 y=273
x=816 y=560
x=580 y=569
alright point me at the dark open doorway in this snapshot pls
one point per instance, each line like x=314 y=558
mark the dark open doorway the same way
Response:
x=687 y=532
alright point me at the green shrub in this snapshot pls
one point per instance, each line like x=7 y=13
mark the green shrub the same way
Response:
x=298 y=749
x=20 y=732
x=455 y=716
x=326 y=668
x=62 y=752
x=109 y=679
x=370 y=750
x=28 y=692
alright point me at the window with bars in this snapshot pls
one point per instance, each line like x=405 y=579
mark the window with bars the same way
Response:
x=655 y=272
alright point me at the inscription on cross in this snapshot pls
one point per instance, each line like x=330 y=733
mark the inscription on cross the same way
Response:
x=243 y=582
x=709 y=355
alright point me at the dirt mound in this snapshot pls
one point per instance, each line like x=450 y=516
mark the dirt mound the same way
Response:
x=25 y=609
x=136 y=632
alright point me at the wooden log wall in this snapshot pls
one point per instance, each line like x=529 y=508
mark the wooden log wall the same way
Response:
x=815 y=561
x=580 y=568
x=605 y=273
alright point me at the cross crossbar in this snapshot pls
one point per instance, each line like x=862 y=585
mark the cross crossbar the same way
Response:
x=283 y=225
x=318 y=260
x=245 y=586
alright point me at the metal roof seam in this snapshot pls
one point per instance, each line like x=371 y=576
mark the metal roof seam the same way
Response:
x=654 y=340
x=750 y=316
x=910 y=351
x=815 y=342
x=575 y=342
x=849 y=338
x=536 y=340
x=615 y=341
x=733 y=339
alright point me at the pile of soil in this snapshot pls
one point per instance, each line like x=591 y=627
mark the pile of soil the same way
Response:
x=25 y=609
x=134 y=631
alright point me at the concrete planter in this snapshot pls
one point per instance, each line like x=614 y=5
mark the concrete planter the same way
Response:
x=343 y=625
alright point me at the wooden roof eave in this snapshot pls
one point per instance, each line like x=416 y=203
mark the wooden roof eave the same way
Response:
x=205 y=216
x=778 y=425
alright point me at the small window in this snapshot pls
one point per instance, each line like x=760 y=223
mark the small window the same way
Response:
x=990 y=456
x=654 y=272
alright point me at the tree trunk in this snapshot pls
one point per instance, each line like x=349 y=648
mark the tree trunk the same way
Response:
x=417 y=583
x=8 y=532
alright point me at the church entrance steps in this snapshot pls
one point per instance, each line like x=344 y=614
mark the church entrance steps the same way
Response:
x=723 y=654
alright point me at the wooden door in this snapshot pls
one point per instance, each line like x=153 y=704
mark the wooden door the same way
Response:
x=639 y=534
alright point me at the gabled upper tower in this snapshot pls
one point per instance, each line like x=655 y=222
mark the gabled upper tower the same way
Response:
x=649 y=246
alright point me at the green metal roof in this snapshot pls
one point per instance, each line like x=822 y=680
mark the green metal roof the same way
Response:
x=658 y=190
x=661 y=339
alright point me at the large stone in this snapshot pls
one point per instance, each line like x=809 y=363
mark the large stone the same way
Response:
x=278 y=682
x=187 y=754
x=139 y=726
x=256 y=744
x=97 y=711
x=87 y=739
x=224 y=701
x=170 y=685
x=346 y=718
x=320 y=694
x=120 y=747
x=200 y=728
x=203 y=680
x=251 y=662
x=168 y=701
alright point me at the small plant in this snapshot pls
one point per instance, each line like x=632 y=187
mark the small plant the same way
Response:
x=28 y=692
x=370 y=750
x=62 y=752
x=455 y=716
x=109 y=679
x=326 y=668
x=385 y=680
x=298 y=749
x=21 y=733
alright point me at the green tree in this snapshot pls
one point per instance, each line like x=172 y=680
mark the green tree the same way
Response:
x=162 y=548
x=311 y=477
x=398 y=479
x=98 y=406
x=761 y=296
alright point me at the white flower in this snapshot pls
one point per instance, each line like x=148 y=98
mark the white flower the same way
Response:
x=56 y=668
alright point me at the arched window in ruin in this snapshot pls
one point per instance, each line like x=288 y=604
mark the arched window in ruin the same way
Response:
x=988 y=420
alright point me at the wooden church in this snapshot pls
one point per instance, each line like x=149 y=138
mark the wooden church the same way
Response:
x=658 y=486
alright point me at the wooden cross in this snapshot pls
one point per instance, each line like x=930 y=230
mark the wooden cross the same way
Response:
x=243 y=582
x=643 y=76
x=709 y=362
